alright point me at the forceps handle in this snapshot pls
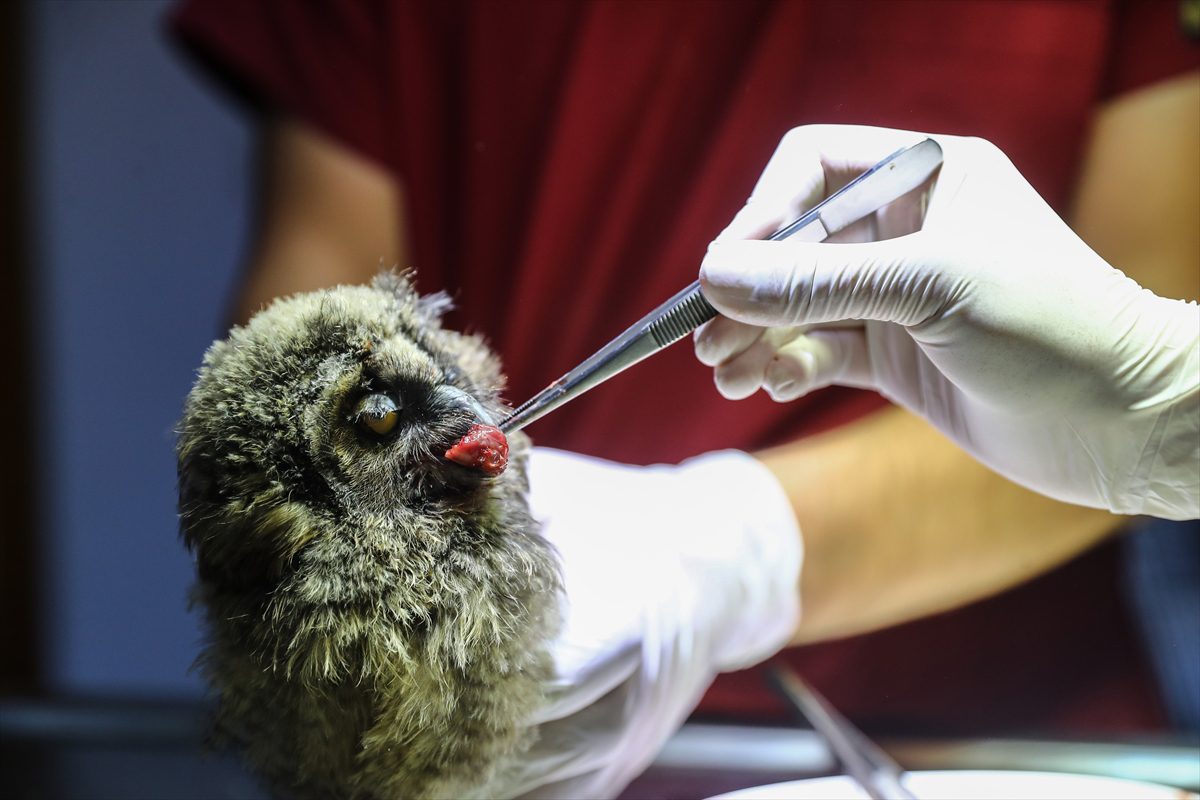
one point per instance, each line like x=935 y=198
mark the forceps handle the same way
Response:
x=867 y=765
x=899 y=173
x=689 y=309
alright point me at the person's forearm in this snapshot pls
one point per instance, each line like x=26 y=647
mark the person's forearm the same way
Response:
x=327 y=217
x=1154 y=241
x=1139 y=213
x=899 y=523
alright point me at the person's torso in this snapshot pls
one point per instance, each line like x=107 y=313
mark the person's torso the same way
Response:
x=566 y=164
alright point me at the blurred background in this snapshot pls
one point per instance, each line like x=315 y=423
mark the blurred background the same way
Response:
x=121 y=243
x=125 y=237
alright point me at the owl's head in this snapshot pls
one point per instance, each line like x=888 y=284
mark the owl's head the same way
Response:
x=329 y=415
x=377 y=616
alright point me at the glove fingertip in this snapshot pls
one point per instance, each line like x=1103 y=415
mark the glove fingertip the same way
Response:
x=706 y=354
x=734 y=387
x=786 y=391
x=730 y=276
x=708 y=351
x=735 y=392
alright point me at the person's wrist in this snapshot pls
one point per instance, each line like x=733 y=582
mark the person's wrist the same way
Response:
x=750 y=523
x=1163 y=414
x=721 y=476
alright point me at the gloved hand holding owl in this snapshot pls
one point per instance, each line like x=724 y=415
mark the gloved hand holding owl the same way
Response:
x=386 y=622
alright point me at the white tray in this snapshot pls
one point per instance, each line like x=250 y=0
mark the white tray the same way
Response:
x=972 y=785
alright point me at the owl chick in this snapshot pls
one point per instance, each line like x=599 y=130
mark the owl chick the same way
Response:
x=377 y=616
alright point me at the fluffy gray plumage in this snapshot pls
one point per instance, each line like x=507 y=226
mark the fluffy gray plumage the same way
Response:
x=377 y=617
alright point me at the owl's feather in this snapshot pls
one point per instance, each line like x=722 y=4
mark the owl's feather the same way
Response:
x=377 y=618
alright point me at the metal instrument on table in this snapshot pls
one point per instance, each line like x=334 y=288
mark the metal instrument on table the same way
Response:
x=894 y=176
x=868 y=766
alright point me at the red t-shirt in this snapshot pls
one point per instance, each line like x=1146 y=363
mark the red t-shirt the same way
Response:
x=566 y=163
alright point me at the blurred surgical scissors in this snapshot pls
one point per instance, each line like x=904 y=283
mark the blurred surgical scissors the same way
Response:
x=868 y=766
x=894 y=176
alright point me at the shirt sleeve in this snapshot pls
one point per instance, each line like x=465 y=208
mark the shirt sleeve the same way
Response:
x=321 y=62
x=672 y=574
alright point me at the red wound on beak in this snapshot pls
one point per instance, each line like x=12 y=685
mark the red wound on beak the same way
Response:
x=483 y=447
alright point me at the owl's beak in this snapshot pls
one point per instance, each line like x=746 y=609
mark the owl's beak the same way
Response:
x=452 y=403
x=452 y=399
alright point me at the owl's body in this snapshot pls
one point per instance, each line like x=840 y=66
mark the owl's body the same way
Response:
x=377 y=617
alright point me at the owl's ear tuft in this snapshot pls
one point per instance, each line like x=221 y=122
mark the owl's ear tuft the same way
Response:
x=399 y=283
x=431 y=307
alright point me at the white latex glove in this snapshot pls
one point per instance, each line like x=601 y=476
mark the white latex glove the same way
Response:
x=987 y=316
x=672 y=574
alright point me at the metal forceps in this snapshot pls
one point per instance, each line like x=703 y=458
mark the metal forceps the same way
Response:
x=868 y=766
x=899 y=173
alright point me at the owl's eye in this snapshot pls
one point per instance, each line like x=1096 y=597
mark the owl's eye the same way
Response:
x=378 y=414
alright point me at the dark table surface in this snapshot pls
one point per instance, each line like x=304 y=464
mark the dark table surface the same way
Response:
x=97 y=749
